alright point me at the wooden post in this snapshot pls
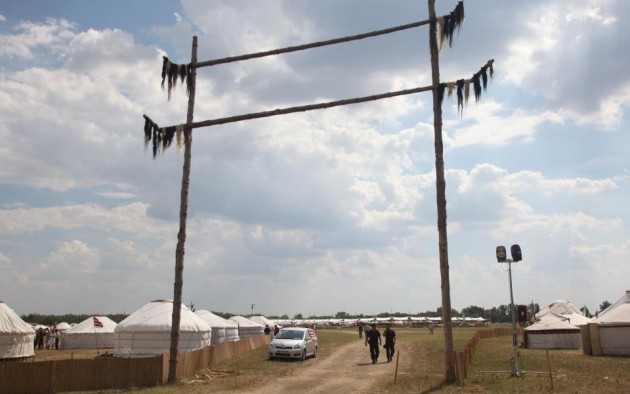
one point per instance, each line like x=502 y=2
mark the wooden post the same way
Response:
x=440 y=185
x=183 y=213
x=549 y=368
x=396 y=373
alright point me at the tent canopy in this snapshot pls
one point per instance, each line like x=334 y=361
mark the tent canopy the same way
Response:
x=147 y=331
x=16 y=336
x=157 y=316
x=617 y=313
x=89 y=335
x=559 y=307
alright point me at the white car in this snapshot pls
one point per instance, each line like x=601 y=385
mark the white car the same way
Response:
x=294 y=342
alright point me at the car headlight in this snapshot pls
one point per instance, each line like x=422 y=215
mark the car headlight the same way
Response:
x=298 y=346
x=271 y=347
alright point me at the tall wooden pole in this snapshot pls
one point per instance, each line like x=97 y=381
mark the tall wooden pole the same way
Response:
x=183 y=214
x=440 y=184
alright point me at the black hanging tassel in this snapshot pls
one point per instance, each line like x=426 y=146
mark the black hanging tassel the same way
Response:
x=459 y=13
x=172 y=77
x=484 y=76
x=476 y=86
x=189 y=75
x=441 y=89
x=156 y=142
x=183 y=72
x=147 y=131
x=446 y=33
x=453 y=22
x=165 y=68
x=460 y=95
x=169 y=133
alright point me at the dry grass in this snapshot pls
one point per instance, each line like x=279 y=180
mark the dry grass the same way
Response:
x=572 y=371
x=421 y=368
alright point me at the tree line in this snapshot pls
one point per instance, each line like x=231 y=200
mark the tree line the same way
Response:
x=500 y=314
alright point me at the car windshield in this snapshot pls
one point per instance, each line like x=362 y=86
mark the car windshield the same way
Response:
x=290 y=334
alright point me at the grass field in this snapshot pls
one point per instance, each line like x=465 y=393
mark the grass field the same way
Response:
x=489 y=372
x=423 y=368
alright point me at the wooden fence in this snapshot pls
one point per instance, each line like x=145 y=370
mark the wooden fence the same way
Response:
x=463 y=357
x=42 y=377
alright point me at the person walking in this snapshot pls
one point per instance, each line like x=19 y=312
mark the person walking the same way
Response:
x=390 y=341
x=373 y=337
x=360 y=330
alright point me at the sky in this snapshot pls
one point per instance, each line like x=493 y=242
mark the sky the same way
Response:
x=316 y=212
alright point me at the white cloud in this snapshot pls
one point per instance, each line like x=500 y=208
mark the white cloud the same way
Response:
x=47 y=38
x=129 y=218
x=324 y=199
x=70 y=259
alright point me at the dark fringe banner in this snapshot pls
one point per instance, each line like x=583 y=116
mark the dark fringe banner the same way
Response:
x=172 y=71
x=162 y=136
x=450 y=23
x=461 y=87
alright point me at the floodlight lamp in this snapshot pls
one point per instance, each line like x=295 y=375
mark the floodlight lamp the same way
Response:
x=516 y=253
x=501 y=255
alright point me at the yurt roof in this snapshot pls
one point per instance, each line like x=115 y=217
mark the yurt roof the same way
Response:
x=245 y=322
x=212 y=319
x=619 y=312
x=12 y=323
x=262 y=320
x=559 y=307
x=551 y=324
x=157 y=316
x=87 y=326
x=63 y=326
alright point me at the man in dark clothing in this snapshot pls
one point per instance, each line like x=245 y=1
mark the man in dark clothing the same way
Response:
x=373 y=337
x=390 y=341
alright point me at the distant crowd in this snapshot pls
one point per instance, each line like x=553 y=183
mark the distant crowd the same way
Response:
x=47 y=338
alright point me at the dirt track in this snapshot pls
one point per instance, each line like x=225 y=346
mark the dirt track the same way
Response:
x=348 y=370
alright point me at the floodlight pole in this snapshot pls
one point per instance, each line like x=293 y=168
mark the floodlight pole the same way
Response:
x=516 y=365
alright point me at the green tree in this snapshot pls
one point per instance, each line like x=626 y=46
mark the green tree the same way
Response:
x=474 y=311
x=604 y=305
x=342 y=315
x=298 y=316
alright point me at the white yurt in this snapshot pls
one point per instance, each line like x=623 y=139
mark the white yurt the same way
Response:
x=247 y=327
x=263 y=321
x=96 y=332
x=614 y=327
x=553 y=333
x=63 y=326
x=147 y=331
x=231 y=331
x=17 y=337
x=222 y=330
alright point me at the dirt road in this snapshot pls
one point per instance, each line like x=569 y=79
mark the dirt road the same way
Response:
x=348 y=370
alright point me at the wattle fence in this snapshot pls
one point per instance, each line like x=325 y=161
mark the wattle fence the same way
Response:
x=102 y=373
x=463 y=357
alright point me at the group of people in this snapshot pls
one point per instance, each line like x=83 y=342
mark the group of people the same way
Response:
x=268 y=330
x=374 y=339
x=47 y=338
